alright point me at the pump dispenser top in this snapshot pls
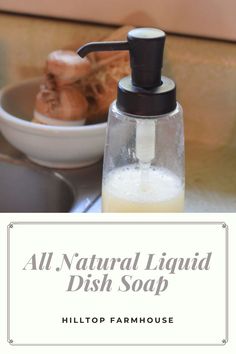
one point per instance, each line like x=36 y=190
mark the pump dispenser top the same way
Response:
x=146 y=92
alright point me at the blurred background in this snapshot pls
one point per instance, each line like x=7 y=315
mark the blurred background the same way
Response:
x=200 y=55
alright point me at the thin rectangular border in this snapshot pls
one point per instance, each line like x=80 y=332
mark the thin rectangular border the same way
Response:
x=223 y=224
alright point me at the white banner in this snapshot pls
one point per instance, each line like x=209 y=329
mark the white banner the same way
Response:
x=124 y=283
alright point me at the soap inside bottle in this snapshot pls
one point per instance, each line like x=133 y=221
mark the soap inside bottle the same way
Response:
x=147 y=178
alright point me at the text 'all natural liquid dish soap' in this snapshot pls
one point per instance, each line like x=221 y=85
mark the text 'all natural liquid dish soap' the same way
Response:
x=143 y=167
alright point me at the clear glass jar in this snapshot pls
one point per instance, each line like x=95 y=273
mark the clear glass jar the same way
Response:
x=143 y=167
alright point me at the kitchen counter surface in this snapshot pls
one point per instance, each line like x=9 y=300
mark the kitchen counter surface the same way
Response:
x=210 y=179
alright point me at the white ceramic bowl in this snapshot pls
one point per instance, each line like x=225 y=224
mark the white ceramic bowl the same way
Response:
x=52 y=146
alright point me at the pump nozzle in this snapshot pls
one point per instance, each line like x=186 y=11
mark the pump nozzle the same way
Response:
x=146 y=46
x=101 y=47
x=146 y=92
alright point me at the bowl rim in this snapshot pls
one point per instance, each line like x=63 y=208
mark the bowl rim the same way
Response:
x=40 y=128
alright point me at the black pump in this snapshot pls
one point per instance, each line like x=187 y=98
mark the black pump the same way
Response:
x=146 y=92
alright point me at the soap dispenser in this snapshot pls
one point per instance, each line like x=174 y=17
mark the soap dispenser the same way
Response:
x=143 y=167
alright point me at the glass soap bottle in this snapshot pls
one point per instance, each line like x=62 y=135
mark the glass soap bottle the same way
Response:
x=143 y=168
